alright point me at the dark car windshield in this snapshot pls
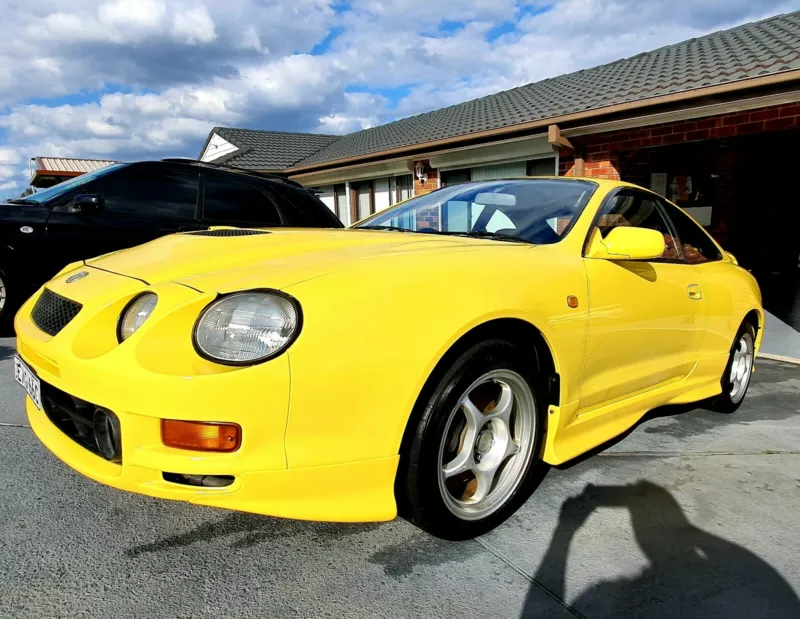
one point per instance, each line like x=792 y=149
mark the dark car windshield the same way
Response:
x=538 y=211
x=45 y=195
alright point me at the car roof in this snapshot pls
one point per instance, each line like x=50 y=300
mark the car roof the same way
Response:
x=228 y=169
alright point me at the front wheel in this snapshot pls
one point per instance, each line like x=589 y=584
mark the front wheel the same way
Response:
x=6 y=312
x=477 y=449
x=736 y=378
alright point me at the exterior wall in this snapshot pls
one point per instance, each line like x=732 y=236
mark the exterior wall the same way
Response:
x=432 y=182
x=602 y=150
x=326 y=195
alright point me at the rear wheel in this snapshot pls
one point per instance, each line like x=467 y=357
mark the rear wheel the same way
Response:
x=736 y=378
x=476 y=451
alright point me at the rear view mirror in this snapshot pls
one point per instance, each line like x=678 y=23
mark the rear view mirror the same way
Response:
x=496 y=199
x=624 y=243
x=86 y=203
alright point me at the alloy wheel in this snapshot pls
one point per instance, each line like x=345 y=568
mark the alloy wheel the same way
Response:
x=741 y=367
x=487 y=444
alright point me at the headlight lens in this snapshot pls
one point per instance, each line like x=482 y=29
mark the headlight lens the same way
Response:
x=135 y=315
x=247 y=327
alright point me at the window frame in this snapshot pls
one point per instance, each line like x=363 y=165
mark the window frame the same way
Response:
x=657 y=199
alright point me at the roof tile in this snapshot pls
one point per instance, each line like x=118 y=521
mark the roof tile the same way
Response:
x=752 y=50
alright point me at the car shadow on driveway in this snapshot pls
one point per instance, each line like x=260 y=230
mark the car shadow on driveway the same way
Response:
x=398 y=560
x=691 y=572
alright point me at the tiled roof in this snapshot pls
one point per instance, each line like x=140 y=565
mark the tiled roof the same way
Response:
x=67 y=165
x=752 y=50
x=269 y=150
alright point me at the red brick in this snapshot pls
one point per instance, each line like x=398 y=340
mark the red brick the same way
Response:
x=681 y=127
x=790 y=110
x=736 y=119
x=780 y=123
x=702 y=134
x=723 y=132
x=597 y=148
x=661 y=131
x=708 y=123
x=767 y=114
x=750 y=128
x=674 y=138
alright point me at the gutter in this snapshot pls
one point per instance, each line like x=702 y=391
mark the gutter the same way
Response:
x=754 y=82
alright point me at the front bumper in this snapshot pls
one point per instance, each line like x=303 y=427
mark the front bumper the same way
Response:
x=157 y=375
x=353 y=492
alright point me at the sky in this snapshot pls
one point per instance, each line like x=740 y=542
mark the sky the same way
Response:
x=143 y=79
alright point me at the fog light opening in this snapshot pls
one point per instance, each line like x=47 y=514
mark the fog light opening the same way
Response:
x=206 y=481
x=107 y=434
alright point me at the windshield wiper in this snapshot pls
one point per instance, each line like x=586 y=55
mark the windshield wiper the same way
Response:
x=21 y=201
x=493 y=235
x=395 y=228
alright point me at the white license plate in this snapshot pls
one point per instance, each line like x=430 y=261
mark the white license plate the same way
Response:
x=29 y=381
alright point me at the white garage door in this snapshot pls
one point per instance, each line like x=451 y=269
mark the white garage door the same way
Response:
x=502 y=170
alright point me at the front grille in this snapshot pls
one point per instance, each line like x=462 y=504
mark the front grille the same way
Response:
x=74 y=417
x=53 y=312
x=234 y=232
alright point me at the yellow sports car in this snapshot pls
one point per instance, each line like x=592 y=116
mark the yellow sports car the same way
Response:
x=429 y=359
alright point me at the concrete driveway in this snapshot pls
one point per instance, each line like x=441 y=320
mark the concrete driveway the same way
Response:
x=694 y=514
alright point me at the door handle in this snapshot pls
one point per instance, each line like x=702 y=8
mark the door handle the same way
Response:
x=694 y=292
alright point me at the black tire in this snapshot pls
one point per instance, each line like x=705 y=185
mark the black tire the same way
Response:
x=7 y=309
x=419 y=488
x=726 y=402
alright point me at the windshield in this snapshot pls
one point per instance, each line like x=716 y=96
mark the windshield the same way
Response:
x=73 y=183
x=538 y=211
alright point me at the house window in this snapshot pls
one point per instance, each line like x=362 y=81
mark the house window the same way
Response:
x=541 y=167
x=455 y=177
x=362 y=200
x=404 y=188
x=340 y=201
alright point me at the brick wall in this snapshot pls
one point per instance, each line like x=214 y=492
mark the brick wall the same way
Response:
x=602 y=151
x=429 y=185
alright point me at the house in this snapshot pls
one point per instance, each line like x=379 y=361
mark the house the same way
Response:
x=712 y=123
x=49 y=171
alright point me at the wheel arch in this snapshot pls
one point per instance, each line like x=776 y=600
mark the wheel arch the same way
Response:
x=511 y=330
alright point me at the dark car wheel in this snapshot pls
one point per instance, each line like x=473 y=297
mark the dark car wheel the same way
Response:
x=476 y=453
x=736 y=378
x=6 y=310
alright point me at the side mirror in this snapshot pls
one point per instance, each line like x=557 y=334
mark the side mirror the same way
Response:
x=625 y=243
x=86 y=203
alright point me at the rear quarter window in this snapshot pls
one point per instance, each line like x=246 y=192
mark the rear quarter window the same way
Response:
x=301 y=208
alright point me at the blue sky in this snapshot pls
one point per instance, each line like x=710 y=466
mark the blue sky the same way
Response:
x=132 y=79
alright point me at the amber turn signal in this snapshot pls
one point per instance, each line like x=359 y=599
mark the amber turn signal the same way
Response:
x=201 y=435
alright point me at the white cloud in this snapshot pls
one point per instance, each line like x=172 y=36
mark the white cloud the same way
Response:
x=149 y=78
x=194 y=26
x=9 y=185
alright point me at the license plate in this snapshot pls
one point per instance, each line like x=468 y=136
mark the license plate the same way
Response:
x=25 y=377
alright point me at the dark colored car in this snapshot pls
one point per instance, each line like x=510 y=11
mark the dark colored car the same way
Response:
x=127 y=204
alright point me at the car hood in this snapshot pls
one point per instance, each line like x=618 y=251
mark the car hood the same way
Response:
x=271 y=258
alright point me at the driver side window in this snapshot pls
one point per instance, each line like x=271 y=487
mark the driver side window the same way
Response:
x=630 y=208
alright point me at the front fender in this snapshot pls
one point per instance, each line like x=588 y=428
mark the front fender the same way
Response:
x=372 y=335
